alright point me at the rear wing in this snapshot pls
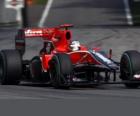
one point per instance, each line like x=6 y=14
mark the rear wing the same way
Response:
x=20 y=41
x=20 y=38
x=44 y=33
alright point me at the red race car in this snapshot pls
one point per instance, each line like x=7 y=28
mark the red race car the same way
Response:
x=64 y=63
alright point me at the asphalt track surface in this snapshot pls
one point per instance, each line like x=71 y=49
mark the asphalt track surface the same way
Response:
x=87 y=13
x=35 y=99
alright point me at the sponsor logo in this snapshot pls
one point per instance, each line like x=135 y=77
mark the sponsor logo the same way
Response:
x=32 y=33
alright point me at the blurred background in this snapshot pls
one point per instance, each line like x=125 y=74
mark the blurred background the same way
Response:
x=98 y=23
x=78 y=12
x=135 y=10
x=30 y=13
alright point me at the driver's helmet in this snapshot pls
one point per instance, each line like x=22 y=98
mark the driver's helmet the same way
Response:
x=75 y=45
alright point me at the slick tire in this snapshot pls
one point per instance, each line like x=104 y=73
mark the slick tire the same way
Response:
x=10 y=67
x=36 y=68
x=130 y=65
x=36 y=72
x=61 y=70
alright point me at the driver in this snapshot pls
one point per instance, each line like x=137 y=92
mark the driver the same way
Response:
x=75 y=45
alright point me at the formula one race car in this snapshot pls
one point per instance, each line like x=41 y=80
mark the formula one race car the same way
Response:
x=64 y=63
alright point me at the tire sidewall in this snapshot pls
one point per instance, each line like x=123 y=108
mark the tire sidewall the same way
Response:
x=57 y=63
x=11 y=67
x=130 y=61
x=36 y=68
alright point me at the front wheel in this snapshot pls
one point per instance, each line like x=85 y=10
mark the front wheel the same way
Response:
x=129 y=66
x=61 y=70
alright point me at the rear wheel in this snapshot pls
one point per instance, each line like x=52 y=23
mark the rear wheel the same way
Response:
x=61 y=70
x=10 y=67
x=130 y=65
x=36 y=70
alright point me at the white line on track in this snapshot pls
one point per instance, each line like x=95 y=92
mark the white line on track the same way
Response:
x=45 y=13
x=128 y=12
